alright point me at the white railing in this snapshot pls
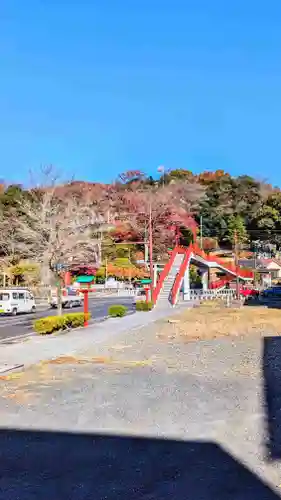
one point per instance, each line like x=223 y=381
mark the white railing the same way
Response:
x=114 y=292
x=210 y=294
x=127 y=293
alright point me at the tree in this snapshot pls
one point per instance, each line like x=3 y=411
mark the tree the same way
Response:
x=58 y=233
x=265 y=225
x=170 y=205
x=216 y=206
x=9 y=244
x=137 y=209
x=210 y=177
x=10 y=196
x=10 y=199
x=236 y=230
x=246 y=197
x=24 y=271
x=178 y=174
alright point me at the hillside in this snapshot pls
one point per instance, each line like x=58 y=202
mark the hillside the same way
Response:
x=226 y=206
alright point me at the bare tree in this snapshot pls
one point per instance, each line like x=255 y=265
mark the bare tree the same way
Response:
x=58 y=233
x=168 y=205
x=136 y=209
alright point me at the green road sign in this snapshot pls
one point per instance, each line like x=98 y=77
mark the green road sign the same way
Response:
x=146 y=281
x=85 y=279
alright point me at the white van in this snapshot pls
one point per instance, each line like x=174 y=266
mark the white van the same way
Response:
x=16 y=300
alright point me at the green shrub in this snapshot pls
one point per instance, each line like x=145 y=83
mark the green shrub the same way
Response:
x=117 y=311
x=144 y=306
x=52 y=324
x=49 y=324
x=74 y=320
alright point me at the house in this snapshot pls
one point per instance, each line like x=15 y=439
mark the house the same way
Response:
x=267 y=269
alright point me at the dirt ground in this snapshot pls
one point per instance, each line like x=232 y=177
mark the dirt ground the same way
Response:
x=213 y=320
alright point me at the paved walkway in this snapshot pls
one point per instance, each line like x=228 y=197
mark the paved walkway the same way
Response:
x=32 y=350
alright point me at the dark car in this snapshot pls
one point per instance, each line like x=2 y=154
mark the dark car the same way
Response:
x=272 y=292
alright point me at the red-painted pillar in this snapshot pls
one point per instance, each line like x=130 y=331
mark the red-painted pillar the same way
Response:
x=147 y=295
x=86 y=307
x=67 y=278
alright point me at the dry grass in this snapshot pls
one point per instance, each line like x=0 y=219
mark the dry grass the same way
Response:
x=20 y=386
x=211 y=320
x=101 y=360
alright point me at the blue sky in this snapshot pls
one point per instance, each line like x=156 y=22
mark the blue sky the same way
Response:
x=98 y=87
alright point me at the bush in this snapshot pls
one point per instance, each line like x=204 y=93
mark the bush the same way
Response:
x=51 y=324
x=144 y=306
x=74 y=320
x=117 y=311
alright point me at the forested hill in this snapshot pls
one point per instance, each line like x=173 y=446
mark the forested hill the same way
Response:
x=224 y=204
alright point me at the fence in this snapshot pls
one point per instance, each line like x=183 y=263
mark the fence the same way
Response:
x=211 y=294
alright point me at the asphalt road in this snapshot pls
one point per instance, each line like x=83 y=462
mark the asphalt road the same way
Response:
x=11 y=326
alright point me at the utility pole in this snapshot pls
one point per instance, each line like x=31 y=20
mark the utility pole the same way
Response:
x=255 y=263
x=236 y=263
x=105 y=283
x=145 y=245
x=151 y=250
x=201 y=232
x=130 y=270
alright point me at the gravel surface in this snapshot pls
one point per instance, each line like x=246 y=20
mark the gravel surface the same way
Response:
x=160 y=419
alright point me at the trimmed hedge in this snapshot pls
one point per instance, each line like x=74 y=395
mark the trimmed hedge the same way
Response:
x=144 y=306
x=117 y=311
x=51 y=324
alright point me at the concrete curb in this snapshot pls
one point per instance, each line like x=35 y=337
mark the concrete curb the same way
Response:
x=94 y=321
x=6 y=369
x=13 y=340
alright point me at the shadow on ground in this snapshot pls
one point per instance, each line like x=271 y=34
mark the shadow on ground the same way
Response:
x=272 y=394
x=53 y=465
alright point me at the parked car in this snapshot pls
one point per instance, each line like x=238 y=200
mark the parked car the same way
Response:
x=249 y=292
x=272 y=292
x=16 y=300
x=69 y=299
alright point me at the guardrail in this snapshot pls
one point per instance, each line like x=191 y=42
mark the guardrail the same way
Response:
x=219 y=283
x=243 y=273
x=164 y=273
x=210 y=294
x=180 y=276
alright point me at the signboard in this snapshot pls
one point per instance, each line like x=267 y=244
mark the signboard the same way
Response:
x=146 y=281
x=60 y=267
x=85 y=279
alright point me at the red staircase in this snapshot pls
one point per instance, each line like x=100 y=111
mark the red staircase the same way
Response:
x=178 y=281
x=194 y=251
x=164 y=274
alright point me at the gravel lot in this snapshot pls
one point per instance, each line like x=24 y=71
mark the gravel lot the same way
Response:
x=160 y=418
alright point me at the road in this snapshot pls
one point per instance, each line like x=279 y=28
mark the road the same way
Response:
x=11 y=326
